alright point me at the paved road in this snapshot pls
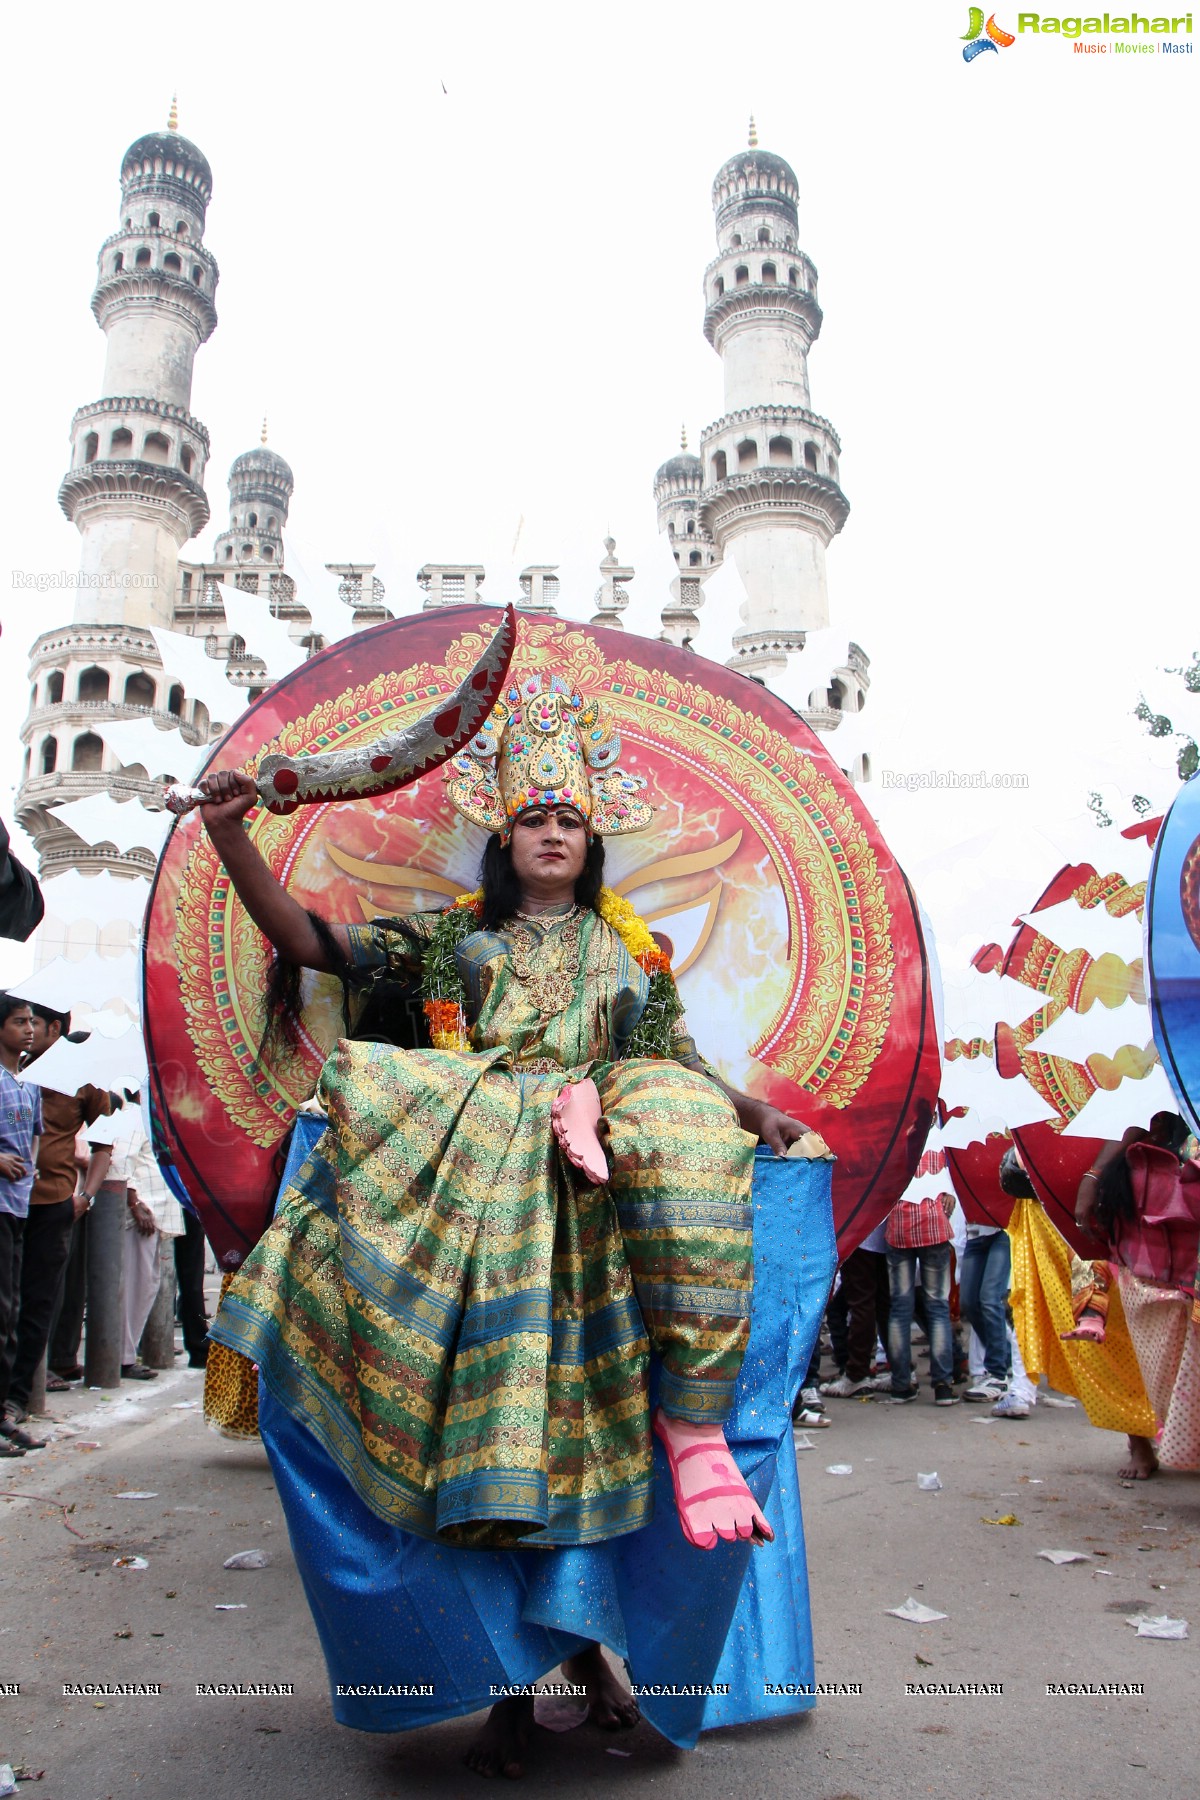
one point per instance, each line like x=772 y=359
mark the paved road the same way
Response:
x=67 y=1614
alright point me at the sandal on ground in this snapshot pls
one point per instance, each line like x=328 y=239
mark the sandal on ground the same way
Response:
x=137 y=1372
x=721 y=1464
x=56 y=1385
x=574 y=1116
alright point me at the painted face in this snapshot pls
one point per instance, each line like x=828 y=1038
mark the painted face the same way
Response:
x=549 y=847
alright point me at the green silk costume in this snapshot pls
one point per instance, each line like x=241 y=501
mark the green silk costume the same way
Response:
x=461 y=1320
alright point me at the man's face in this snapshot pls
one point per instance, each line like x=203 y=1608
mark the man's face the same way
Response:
x=16 y=1033
x=549 y=844
x=45 y=1033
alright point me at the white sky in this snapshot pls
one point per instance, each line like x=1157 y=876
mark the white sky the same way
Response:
x=461 y=263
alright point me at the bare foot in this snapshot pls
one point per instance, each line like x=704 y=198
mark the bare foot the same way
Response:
x=1143 y=1461
x=712 y=1499
x=500 y=1746
x=610 y=1706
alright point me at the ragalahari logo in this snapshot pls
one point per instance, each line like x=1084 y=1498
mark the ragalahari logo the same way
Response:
x=974 y=40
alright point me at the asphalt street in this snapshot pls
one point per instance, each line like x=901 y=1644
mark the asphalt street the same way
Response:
x=69 y=1615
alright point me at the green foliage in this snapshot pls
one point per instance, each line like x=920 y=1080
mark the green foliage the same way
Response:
x=653 y=1033
x=440 y=979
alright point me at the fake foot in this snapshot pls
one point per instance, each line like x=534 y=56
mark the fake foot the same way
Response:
x=1089 y=1326
x=711 y=1498
x=1143 y=1461
x=574 y=1116
x=500 y=1747
x=610 y=1706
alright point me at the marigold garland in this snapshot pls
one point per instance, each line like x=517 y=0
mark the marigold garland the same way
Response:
x=445 y=996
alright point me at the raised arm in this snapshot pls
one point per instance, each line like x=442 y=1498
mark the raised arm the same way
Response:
x=279 y=917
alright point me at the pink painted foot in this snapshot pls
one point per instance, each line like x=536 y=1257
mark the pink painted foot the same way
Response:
x=574 y=1117
x=712 y=1499
x=1089 y=1327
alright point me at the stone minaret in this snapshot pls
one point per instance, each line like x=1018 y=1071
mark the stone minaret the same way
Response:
x=135 y=491
x=677 y=488
x=769 y=499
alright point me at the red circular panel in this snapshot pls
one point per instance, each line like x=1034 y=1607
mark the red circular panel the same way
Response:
x=794 y=934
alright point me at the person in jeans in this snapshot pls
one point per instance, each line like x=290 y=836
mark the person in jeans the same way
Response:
x=918 y=1233
x=20 y=1129
x=982 y=1296
x=54 y=1207
x=860 y=1308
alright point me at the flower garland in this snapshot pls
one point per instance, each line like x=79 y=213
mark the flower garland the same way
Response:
x=445 y=997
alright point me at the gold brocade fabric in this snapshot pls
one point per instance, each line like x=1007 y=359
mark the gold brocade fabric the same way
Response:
x=230 y=1388
x=1105 y=1377
x=458 y=1317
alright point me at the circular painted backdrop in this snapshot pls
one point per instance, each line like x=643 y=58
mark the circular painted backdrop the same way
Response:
x=793 y=932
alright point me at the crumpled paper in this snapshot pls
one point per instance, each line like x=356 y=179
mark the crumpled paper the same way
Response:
x=248 y=1559
x=916 y=1612
x=1160 y=1627
x=1057 y=1557
x=929 y=1484
x=1004 y=1519
x=130 y=1562
x=840 y=1469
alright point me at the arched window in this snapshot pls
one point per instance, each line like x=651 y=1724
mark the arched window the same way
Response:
x=719 y=469
x=118 y=262
x=810 y=457
x=694 y=560
x=197 y=275
x=246 y=550
x=185 y=460
x=747 y=453
x=793 y=277
x=838 y=696
x=142 y=259
x=157 y=448
x=200 y=721
x=152 y=219
x=741 y=275
x=54 y=688
x=121 y=442
x=172 y=262
x=719 y=286
x=691 y=526
x=181 y=229
x=768 y=273
x=175 y=701
x=780 y=450
x=93 y=684
x=88 y=754
x=91 y=445
x=49 y=756
x=229 y=553
x=252 y=520
x=139 y=690
x=735 y=242
x=267 y=552
x=833 y=467
x=764 y=236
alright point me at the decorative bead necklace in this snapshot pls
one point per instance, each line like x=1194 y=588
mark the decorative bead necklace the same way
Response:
x=551 y=984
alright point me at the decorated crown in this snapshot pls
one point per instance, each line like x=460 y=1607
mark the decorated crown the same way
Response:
x=546 y=745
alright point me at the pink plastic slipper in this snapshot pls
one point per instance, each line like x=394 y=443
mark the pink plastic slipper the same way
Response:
x=574 y=1116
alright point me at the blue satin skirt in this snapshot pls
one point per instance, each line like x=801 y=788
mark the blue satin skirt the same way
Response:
x=396 y=1612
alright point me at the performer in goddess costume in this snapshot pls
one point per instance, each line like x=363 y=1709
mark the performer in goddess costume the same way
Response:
x=454 y=1308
